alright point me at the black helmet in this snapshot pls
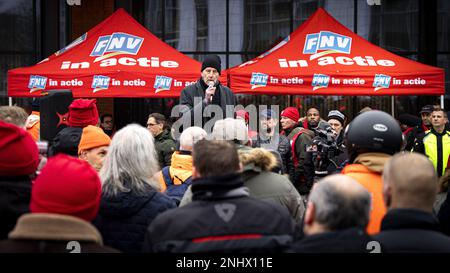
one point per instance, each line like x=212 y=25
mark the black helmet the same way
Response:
x=373 y=131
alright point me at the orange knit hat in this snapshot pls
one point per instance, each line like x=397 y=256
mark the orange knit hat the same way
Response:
x=93 y=137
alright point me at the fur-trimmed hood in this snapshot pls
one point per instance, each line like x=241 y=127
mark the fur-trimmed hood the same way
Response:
x=257 y=160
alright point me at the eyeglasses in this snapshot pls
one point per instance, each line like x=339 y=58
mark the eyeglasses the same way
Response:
x=151 y=124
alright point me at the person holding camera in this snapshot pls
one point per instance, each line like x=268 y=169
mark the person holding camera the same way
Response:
x=337 y=121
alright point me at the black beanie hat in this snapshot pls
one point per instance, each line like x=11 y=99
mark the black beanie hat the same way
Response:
x=212 y=61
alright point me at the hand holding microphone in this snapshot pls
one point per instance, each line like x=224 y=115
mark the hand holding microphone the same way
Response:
x=210 y=91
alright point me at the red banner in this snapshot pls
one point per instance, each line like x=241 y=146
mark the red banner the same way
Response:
x=323 y=57
x=117 y=58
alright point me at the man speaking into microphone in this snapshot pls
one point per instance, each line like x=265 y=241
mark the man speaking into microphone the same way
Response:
x=207 y=91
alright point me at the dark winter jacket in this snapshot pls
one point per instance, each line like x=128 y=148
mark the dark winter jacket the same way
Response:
x=281 y=144
x=51 y=233
x=123 y=219
x=444 y=215
x=197 y=90
x=221 y=219
x=164 y=146
x=353 y=240
x=416 y=134
x=15 y=194
x=66 y=141
x=265 y=185
x=411 y=230
x=303 y=177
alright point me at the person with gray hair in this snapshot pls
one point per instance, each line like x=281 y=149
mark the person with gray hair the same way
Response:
x=176 y=178
x=232 y=130
x=14 y=114
x=409 y=191
x=336 y=217
x=129 y=201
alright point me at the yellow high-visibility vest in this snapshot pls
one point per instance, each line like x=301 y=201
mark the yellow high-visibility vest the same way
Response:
x=437 y=148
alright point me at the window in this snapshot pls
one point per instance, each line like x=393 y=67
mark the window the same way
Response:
x=19 y=33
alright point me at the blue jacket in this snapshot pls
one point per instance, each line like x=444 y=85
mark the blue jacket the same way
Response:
x=123 y=219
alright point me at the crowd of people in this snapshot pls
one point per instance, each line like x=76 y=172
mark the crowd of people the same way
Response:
x=318 y=183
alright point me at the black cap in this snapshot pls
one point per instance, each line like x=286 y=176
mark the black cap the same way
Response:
x=427 y=109
x=212 y=61
x=409 y=120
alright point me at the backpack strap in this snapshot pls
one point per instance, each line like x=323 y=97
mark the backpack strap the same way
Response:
x=166 y=176
x=188 y=181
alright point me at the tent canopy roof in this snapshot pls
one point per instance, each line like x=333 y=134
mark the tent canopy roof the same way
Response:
x=116 y=58
x=323 y=57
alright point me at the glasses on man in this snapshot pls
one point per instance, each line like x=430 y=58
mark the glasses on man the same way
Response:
x=151 y=124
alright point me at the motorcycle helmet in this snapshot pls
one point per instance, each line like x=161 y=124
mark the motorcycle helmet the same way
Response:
x=373 y=131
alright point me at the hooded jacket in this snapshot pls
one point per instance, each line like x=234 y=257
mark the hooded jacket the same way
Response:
x=265 y=185
x=180 y=169
x=367 y=170
x=222 y=218
x=268 y=186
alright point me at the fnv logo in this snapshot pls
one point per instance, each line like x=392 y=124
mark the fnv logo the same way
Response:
x=320 y=81
x=115 y=44
x=37 y=83
x=258 y=80
x=100 y=83
x=381 y=81
x=326 y=40
x=162 y=83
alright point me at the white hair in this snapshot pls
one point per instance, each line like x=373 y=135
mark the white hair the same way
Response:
x=190 y=136
x=131 y=161
x=230 y=129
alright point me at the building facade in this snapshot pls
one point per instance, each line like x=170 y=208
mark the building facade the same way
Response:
x=236 y=30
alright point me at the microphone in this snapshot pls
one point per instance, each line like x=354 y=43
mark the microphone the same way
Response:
x=211 y=85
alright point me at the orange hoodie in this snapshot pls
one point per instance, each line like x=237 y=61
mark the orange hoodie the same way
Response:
x=180 y=170
x=367 y=171
x=33 y=125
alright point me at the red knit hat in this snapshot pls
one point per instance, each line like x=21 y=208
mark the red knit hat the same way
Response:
x=69 y=186
x=292 y=113
x=83 y=112
x=19 y=153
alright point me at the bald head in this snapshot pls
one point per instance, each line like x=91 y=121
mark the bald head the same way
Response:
x=409 y=181
x=339 y=202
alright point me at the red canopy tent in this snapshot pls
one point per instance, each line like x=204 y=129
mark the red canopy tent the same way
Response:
x=117 y=58
x=323 y=57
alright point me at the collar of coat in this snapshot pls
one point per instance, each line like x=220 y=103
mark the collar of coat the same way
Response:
x=401 y=218
x=373 y=161
x=54 y=227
